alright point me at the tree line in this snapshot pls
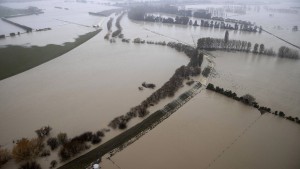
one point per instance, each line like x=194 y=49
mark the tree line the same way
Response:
x=118 y=25
x=26 y=151
x=141 y=13
x=244 y=46
x=226 y=44
x=250 y=101
x=228 y=26
x=285 y=52
x=168 y=89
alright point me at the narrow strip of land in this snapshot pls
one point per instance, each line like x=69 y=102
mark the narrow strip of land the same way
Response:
x=26 y=28
x=129 y=136
x=74 y=23
x=281 y=39
x=126 y=138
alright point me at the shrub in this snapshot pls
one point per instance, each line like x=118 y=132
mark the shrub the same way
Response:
x=122 y=126
x=281 y=114
x=96 y=139
x=44 y=131
x=26 y=150
x=210 y=86
x=45 y=153
x=206 y=71
x=72 y=148
x=286 y=52
x=248 y=98
x=62 y=138
x=30 y=165
x=5 y=156
x=100 y=133
x=53 y=143
x=53 y=164
x=190 y=82
x=87 y=136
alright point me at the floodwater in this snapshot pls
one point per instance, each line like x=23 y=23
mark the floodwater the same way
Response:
x=212 y=131
x=84 y=82
x=84 y=89
x=273 y=81
x=198 y=133
x=87 y=87
x=66 y=25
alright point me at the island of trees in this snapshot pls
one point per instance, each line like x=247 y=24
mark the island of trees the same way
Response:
x=227 y=44
x=141 y=13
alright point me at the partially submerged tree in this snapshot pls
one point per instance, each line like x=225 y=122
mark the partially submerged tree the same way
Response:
x=5 y=156
x=286 y=52
x=226 y=38
x=255 y=49
x=30 y=165
x=26 y=150
x=261 y=48
x=72 y=148
x=53 y=164
x=62 y=138
x=53 y=143
x=206 y=71
x=43 y=132
x=249 y=98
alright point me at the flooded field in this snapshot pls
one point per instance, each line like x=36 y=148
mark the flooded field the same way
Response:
x=273 y=81
x=66 y=25
x=201 y=133
x=213 y=132
x=84 y=89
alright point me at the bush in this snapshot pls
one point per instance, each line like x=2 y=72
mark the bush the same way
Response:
x=53 y=143
x=26 y=150
x=62 y=138
x=72 y=148
x=100 y=133
x=249 y=99
x=96 y=139
x=53 y=164
x=5 y=156
x=45 y=153
x=286 y=52
x=44 y=131
x=210 y=87
x=122 y=126
x=281 y=114
x=85 y=137
x=206 y=71
x=189 y=83
x=30 y=165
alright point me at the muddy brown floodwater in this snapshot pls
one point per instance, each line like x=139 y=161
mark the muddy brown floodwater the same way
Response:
x=198 y=133
x=87 y=87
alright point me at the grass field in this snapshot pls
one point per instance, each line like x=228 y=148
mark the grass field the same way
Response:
x=17 y=59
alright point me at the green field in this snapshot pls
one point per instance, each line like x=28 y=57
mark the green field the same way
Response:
x=17 y=59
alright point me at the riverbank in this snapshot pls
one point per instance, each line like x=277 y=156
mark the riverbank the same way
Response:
x=17 y=59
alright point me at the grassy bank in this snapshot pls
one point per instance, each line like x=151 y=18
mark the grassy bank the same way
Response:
x=17 y=59
x=123 y=138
